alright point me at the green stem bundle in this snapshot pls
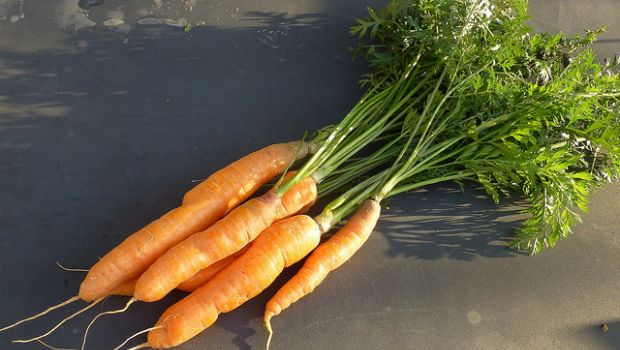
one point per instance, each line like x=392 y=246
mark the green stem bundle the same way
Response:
x=478 y=98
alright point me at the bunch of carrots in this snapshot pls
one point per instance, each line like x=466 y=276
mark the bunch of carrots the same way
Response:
x=460 y=91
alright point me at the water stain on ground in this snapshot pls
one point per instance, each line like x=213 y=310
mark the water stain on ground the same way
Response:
x=13 y=10
x=87 y=4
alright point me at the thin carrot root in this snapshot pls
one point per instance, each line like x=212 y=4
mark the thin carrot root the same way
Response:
x=77 y=313
x=48 y=310
x=52 y=347
x=71 y=269
x=269 y=331
x=131 y=301
x=140 y=346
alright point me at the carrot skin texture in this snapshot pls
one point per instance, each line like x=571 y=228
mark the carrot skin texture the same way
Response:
x=279 y=246
x=197 y=280
x=272 y=159
x=127 y=260
x=222 y=239
x=326 y=257
x=124 y=289
x=203 y=206
x=299 y=198
x=203 y=276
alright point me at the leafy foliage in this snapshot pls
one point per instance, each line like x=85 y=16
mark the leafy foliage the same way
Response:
x=486 y=100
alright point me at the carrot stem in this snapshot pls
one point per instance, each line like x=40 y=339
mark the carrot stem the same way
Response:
x=413 y=186
x=355 y=169
x=363 y=114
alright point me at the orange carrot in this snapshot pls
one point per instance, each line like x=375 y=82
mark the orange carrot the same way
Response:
x=326 y=258
x=279 y=246
x=249 y=173
x=198 y=279
x=222 y=239
x=202 y=206
x=203 y=276
x=124 y=289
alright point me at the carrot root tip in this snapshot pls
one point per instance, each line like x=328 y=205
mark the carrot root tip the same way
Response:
x=269 y=331
x=70 y=269
x=52 y=347
x=48 y=310
x=140 y=346
x=75 y=314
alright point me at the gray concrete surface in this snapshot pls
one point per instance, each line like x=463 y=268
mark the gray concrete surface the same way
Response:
x=107 y=115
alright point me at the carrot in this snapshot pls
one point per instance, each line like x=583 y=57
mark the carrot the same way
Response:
x=290 y=202
x=222 y=239
x=249 y=173
x=279 y=246
x=198 y=279
x=195 y=281
x=124 y=289
x=203 y=276
x=202 y=206
x=324 y=259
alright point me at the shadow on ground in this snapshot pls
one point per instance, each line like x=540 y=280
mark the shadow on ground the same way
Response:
x=604 y=340
x=446 y=221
